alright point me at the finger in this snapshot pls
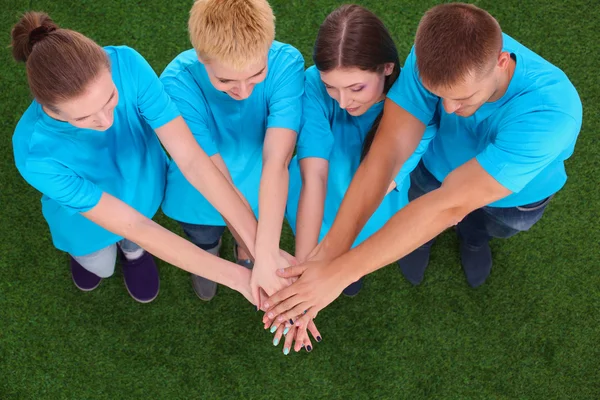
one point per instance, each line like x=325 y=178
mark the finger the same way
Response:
x=289 y=317
x=289 y=341
x=292 y=271
x=256 y=295
x=301 y=339
x=278 y=297
x=286 y=311
x=312 y=328
x=278 y=335
x=303 y=320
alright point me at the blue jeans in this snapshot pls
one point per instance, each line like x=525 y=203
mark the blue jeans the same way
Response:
x=204 y=236
x=485 y=223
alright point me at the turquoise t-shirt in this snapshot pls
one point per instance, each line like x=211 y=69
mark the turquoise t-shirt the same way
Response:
x=233 y=128
x=329 y=132
x=72 y=166
x=522 y=139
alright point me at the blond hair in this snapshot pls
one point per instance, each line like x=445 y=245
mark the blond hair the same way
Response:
x=237 y=33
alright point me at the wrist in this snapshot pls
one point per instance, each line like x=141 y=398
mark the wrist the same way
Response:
x=241 y=279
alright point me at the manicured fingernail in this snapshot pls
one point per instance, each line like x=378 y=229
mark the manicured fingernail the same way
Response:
x=319 y=338
x=308 y=348
x=286 y=351
x=285 y=331
x=266 y=305
x=273 y=328
x=270 y=315
x=281 y=270
x=275 y=342
x=291 y=322
x=256 y=308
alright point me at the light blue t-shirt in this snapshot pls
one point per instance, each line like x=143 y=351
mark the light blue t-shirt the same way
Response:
x=329 y=132
x=72 y=166
x=522 y=139
x=233 y=128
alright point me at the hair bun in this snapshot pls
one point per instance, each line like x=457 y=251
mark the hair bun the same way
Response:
x=39 y=33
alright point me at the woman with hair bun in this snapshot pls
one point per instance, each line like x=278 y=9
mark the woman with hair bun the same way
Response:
x=90 y=142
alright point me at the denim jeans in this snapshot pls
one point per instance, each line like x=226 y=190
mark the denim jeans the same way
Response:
x=485 y=223
x=102 y=262
x=204 y=236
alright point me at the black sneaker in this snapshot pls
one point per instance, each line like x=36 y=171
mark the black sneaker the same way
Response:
x=353 y=289
x=476 y=262
x=413 y=265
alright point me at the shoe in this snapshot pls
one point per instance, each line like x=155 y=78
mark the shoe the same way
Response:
x=82 y=278
x=205 y=288
x=413 y=265
x=353 y=289
x=244 y=263
x=476 y=262
x=141 y=277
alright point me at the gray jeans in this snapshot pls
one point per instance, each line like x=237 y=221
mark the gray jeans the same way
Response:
x=102 y=262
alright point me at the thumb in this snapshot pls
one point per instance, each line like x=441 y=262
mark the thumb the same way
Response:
x=291 y=272
x=256 y=295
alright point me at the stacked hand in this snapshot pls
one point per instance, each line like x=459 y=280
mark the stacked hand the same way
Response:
x=292 y=309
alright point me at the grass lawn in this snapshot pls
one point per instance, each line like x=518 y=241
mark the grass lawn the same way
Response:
x=531 y=332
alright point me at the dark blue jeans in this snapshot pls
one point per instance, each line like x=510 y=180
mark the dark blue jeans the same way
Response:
x=204 y=236
x=485 y=223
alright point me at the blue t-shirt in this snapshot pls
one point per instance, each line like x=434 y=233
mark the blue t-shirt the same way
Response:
x=233 y=128
x=72 y=166
x=329 y=132
x=522 y=139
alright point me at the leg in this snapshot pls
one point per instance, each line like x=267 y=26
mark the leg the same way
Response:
x=139 y=272
x=208 y=238
x=477 y=229
x=413 y=265
x=87 y=271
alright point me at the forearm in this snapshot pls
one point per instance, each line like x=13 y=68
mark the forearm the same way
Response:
x=367 y=189
x=272 y=200
x=220 y=192
x=181 y=253
x=117 y=217
x=420 y=221
x=310 y=216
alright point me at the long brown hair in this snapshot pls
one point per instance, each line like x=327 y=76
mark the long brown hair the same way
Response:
x=353 y=37
x=60 y=62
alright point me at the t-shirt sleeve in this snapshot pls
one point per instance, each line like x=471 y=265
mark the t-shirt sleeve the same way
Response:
x=61 y=185
x=194 y=111
x=153 y=102
x=527 y=144
x=409 y=93
x=285 y=91
x=315 y=138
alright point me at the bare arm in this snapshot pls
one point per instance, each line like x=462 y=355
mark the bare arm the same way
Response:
x=277 y=153
x=272 y=198
x=465 y=189
x=206 y=177
x=397 y=138
x=119 y=218
x=311 y=205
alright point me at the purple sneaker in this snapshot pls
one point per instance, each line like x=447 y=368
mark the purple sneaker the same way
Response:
x=141 y=277
x=82 y=278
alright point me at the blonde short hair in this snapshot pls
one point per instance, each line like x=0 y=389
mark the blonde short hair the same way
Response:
x=237 y=33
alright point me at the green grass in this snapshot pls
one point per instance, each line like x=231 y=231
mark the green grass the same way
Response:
x=531 y=332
